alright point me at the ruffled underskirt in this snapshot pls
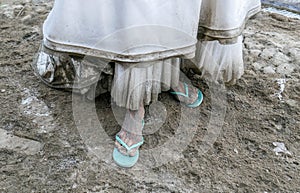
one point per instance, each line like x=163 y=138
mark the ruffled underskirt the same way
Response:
x=141 y=83
x=131 y=84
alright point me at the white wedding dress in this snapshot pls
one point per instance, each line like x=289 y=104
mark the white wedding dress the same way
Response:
x=146 y=40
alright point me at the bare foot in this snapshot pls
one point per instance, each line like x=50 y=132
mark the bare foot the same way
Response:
x=131 y=132
x=192 y=93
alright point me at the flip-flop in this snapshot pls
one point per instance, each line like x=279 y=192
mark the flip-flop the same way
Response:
x=186 y=94
x=126 y=161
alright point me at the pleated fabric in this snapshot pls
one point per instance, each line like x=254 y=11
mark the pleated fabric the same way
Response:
x=142 y=82
x=220 y=62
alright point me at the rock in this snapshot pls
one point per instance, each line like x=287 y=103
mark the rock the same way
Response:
x=286 y=69
x=21 y=145
x=269 y=70
x=236 y=151
x=280 y=148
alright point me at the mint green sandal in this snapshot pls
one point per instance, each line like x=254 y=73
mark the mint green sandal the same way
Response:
x=126 y=161
x=186 y=94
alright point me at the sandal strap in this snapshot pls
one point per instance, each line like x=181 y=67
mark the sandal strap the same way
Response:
x=126 y=146
x=186 y=94
x=134 y=145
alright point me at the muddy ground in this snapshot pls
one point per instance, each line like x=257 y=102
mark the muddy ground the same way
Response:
x=42 y=148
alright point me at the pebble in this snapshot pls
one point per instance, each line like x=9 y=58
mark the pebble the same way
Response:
x=280 y=148
x=236 y=151
x=3 y=90
x=269 y=70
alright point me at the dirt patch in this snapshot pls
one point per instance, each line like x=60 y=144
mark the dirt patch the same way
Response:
x=240 y=160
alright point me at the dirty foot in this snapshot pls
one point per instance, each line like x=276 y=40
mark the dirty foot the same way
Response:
x=191 y=91
x=131 y=132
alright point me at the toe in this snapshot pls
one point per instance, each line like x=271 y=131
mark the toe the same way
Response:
x=133 y=152
x=128 y=141
x=123 y=150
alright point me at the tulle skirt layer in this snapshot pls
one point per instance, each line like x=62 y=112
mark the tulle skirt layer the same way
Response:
x=142 y=83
